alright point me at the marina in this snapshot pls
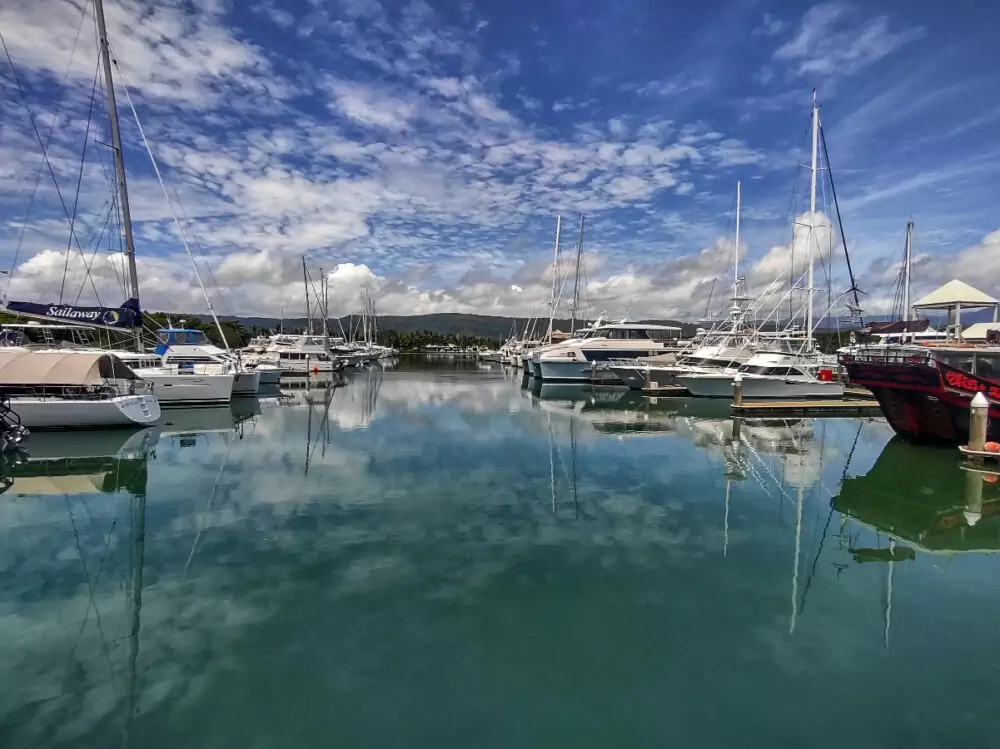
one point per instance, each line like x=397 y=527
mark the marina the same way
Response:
x=397 y=373
x=395 y=536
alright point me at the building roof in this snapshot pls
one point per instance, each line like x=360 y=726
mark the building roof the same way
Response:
x=72 y=368
x=977 y=332
x=955 y=293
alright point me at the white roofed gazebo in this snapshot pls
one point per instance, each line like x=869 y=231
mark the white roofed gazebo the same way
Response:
x=953 y=297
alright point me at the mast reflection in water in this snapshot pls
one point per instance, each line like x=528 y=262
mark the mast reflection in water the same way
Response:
x=430 y=556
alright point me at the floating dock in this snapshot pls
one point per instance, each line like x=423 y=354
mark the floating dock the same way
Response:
x=831 y=407
x=667 y=391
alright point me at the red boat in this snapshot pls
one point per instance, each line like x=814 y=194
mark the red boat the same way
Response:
x=925 y=391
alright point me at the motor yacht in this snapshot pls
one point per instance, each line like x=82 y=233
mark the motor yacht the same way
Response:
x=579 y=361
x=187 y=348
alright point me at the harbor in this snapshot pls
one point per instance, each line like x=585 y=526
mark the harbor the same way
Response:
x=384 y=538
x=404 y=373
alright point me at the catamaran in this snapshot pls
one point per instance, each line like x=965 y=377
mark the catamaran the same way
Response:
x=53 y=390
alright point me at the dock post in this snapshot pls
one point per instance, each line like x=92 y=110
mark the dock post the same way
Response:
x=647 y=380
x=979 y=412
x=737 y=389
x=737 y=422
x=973 y=512
x=593 y=371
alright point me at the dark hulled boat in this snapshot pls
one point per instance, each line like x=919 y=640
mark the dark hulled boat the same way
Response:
x=925 y=391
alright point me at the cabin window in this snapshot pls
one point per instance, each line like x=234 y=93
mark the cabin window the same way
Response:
x=988 y=366
x=638 y=335
x=662 y=336
x=796 y=372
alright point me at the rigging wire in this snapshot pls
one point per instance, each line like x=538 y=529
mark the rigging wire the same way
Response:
x=48 y=137
x=79 y=181
x=173 y=210
x=840 y=222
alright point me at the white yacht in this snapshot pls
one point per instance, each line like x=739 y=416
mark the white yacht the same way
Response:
x=199 y=385
x=578 y=361
x=187 y=348
x=175 y=385
x=297 y=354
x=74 y=390
x=771 y=374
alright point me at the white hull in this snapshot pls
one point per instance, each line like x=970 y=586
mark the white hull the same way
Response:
x=246 y=384
x=755 y=388
x=565 y=371
x=269 y=374
x=174 y=389
x=634 y=377
x=760 y=388
x=59 y=413
x=707 y=386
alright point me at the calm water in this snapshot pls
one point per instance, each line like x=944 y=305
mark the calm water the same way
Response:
x=436 y=557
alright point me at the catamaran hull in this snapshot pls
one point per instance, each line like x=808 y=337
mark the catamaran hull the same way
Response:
x=190 y=390
x=60 y=413
x=246 y=384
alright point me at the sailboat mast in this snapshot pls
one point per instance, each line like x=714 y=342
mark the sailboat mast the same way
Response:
x=576 y=282
x=555 y=279
x=812 y=215
x=305 y=282
x=906 y=272
x=116 y=147
x=736 y=263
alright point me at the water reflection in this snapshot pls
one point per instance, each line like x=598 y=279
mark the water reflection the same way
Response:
x=439 y=545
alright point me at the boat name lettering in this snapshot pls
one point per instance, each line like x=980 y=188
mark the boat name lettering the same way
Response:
x=75 y=313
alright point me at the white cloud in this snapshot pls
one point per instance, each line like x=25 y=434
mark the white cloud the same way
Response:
x=831 y=41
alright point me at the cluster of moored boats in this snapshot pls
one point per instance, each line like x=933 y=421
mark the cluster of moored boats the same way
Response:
x=57 y=377
x=783 y=364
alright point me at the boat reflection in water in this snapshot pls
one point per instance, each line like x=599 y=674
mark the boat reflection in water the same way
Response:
x=67 y=494
x=923 y=497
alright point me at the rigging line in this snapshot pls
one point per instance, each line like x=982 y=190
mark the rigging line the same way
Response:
x=840 y=222
x=79 y=180
x=93 y=256
x=45 y=158
x=48 y=138
x=173 y=211
x=91 y=584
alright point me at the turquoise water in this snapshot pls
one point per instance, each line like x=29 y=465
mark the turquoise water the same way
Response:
x=434 y=556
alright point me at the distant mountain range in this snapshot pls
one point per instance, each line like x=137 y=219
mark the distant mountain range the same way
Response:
x=490 y=326
x=448 y=323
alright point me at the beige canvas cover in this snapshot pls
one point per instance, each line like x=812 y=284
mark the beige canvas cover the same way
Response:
x=73 y=368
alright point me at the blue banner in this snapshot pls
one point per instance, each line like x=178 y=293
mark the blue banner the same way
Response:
x=125 y=317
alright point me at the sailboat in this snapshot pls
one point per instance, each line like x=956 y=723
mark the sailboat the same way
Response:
x=789 y=366
x=174 y=379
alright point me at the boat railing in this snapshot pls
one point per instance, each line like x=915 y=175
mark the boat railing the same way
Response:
x=109 y=389
x=880 y=356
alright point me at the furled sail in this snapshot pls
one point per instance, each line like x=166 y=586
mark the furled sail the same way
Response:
x=125 y=317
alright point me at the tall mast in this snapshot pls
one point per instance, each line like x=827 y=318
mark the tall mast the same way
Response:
x=736 y=264
x=116 y=147
x=305 y=282
x=906 y=272
x=812 y=217
x=576 y=282
x=555 y=278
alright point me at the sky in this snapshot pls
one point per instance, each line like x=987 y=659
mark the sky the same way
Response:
x=420 y=151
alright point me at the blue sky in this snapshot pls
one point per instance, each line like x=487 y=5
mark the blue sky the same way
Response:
x=422 y=150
